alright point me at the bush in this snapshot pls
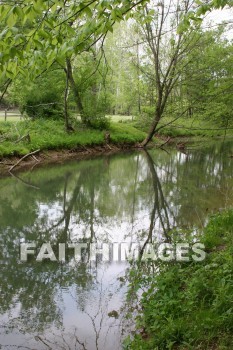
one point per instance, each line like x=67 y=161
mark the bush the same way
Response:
x=99 y=122
x=43 y=106
x=41 y=98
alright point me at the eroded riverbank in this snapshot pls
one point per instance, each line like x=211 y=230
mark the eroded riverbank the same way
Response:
x=40 y=158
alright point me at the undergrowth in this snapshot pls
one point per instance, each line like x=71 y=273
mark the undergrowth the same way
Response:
x=51 y=135
x=188 y=305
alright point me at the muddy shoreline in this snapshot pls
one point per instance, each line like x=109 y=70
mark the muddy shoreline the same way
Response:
x=45 y=157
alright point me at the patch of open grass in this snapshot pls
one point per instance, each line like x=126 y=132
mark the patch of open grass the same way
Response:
x=12 y=115
x=193 y=127
x=120 y=118
x=50 y=134
x=11 y=118
x=125 y=133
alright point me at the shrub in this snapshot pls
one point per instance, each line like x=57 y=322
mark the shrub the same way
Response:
x=43 y=107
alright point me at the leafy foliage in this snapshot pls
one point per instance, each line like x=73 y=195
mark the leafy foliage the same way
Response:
x=189 y=305
x=38 y=33
x=41 y=98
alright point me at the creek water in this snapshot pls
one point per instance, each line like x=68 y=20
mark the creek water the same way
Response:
x=118 y=198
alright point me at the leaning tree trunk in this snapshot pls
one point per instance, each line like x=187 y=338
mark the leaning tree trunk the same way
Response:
x=152 y=129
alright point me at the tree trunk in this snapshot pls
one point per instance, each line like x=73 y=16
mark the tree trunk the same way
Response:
x=138 y=79
x=65 y=103
x=74 y=87
x=152 y=129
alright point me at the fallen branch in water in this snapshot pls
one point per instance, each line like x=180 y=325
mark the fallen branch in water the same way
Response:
x=24 y=182
x=24 y=157
x=108 y=146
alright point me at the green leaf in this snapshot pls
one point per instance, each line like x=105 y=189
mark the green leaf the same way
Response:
x=11 y=20
x=88 y=12
x=13 y=52
x=18 y=12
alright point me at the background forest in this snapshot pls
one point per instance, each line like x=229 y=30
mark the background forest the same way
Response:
x=159 y=66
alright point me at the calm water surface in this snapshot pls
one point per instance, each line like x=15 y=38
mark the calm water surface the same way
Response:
x=124 y=197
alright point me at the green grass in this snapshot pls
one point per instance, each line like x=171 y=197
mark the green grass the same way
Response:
x=12 y=118
x=120 y=118
x=125 y=133
x=192 y=127
x=51 y=135
x=189 y=306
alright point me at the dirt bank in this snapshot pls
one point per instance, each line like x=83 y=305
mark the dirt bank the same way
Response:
x=41 y=158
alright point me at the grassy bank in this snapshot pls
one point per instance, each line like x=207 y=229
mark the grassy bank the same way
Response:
x=51 y=135
x=190 y=305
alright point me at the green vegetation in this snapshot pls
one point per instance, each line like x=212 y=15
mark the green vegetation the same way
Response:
x=189 y=305
x=41 y=98
x=122 y=131
x=188 y=127
x=83 y=62
x=51 y=134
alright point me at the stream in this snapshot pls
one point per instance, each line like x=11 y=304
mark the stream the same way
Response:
x=73 y=303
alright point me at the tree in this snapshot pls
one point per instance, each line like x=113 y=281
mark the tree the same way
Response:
x=89 y=77
x=207 y=80
x=205 y=6
x=168 y=45
x=123 y=77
